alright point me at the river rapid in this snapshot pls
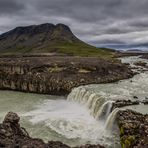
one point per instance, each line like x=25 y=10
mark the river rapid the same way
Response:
x=77 y=118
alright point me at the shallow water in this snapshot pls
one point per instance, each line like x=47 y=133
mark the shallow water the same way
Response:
x=72 y=121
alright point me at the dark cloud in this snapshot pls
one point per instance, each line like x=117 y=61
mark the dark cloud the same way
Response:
x=10 y=7
x=94 y=21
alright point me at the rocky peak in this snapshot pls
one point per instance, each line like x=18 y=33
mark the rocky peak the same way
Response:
x=37 y=29
x=62 y=27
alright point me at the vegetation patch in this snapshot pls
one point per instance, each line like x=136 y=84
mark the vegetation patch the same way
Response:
x=82 y=70
x=55 y=69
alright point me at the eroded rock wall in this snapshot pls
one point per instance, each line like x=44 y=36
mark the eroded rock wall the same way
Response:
x=57 y=75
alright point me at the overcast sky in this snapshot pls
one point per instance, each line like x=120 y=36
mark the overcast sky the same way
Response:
x=94 y=21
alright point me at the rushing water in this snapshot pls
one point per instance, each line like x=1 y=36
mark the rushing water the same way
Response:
x=54 y=118
x=84 y=117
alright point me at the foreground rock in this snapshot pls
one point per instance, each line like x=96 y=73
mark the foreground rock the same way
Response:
x=14 y=136
x=133 y=129
x=58 y=74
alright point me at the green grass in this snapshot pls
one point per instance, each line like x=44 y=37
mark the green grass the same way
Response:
x=75 y=49
x=80 y=49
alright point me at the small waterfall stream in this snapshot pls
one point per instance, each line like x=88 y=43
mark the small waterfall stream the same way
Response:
x=111 y=119
x=104 y=110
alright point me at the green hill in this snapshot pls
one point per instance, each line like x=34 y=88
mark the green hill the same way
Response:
x=47 y=38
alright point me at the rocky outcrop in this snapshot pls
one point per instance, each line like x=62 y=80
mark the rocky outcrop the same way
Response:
x=12 y=135
x=133 y=129
x=140 y=63
x=145 y=102
x=145 y=56
x=122 y=103
x=58 y=74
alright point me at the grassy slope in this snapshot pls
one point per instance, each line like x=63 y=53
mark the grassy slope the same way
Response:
x=75 y=48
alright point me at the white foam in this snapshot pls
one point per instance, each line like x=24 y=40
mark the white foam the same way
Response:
x=68 y=119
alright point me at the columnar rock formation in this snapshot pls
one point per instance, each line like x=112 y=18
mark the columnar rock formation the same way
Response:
x=57 y=75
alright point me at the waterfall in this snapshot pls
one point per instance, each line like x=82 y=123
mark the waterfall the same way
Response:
x=111 y=119
x=97 y=105
x=105 y=110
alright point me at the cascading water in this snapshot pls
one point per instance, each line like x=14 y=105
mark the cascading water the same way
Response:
x=100 y=108
x=105 y=110
x=91 y=100
x=99 y=98
x=111 y=119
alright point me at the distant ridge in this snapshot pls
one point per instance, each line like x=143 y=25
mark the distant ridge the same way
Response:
x=46 y=38
x=136 y=51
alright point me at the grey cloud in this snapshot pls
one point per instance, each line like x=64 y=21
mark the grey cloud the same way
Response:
x=10 y=7
x=94 y=21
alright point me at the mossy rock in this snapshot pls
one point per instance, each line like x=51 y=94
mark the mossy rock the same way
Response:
x=121 y=131
x=127 y=142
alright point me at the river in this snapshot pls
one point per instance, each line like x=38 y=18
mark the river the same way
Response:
x=76 y=120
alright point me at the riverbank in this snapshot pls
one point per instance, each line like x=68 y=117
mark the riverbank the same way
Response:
x=57 y=75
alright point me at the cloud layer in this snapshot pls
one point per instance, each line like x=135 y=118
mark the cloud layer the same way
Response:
x=94 y=21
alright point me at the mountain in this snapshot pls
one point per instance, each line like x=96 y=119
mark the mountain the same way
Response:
x=136 y=51
x=47 y=38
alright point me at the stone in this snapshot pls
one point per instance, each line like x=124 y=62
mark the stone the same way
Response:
x=11 y=118
x=133 y=129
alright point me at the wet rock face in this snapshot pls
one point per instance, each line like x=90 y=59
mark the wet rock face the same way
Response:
x=14 y=136
x=145 y=102
x=145 y=56
x=57 y=75
x=140 y=63
x=133 y=129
